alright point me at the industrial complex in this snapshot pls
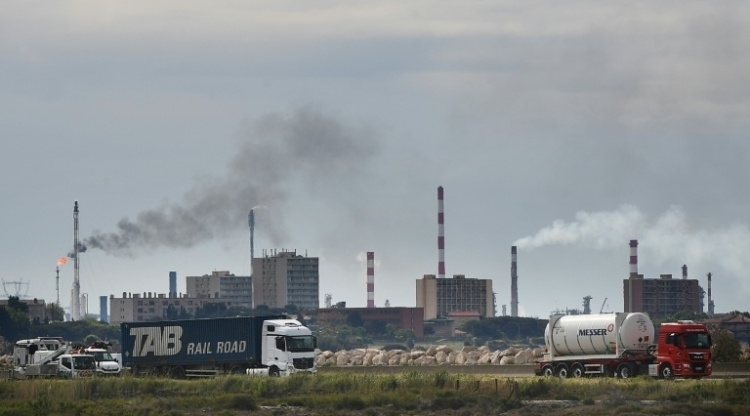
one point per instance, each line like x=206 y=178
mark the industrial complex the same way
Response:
x=285 y=277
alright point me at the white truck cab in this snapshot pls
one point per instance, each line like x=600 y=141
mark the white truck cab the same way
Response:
x=76 y=366
x=288 y=347
x=106 y=365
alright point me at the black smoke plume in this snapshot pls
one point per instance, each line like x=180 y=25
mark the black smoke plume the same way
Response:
x=273 y=153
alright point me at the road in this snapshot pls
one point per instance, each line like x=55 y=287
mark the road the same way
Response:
x=720 y=370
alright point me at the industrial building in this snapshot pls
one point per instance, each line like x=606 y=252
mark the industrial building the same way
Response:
x=150 y=306
x=286 y=278
x=37 y=308
x=221 y=284
x=440 y=297
x=735 y=322
x=659 y=297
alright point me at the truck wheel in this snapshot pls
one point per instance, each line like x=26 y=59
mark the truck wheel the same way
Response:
x=274 y=372
x=623 y=371
x=666 y=371
x=562 y=370
x=548 y=371
x=178 y=372
x=576 y=370
x=237 y=369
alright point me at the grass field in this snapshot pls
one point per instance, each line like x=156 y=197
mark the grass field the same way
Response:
x=407 y=393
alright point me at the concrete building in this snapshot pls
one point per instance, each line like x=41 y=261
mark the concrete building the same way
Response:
x=221 y=284
x=401 y=318
x=735 y=322
x=661 y=297
x=37 y=308
x=150 y=306
x=286 y=278
x=440 y=297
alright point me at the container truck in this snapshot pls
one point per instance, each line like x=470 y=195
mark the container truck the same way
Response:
x=624 y=345
x=269 y=345
x=51 y=357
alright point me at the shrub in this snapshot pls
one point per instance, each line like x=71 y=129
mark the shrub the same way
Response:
x=391 y=347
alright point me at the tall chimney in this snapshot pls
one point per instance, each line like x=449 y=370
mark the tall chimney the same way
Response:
x=75 y=293
x=633 y=272
x=441 y=235
x=103 y=311
x=172 y=284
x=370 y=279
x=710 y=302
x=513 y=282
x=684 y=272
x=633 y=259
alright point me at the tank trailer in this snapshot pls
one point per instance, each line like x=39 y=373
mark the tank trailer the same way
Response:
x=624 y=345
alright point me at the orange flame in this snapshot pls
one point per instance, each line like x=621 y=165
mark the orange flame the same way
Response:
x=61 y=261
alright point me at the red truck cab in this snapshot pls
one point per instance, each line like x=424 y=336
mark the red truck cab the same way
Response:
x=683 y=350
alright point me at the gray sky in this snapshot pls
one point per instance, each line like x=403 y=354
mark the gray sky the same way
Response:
x=567 y=128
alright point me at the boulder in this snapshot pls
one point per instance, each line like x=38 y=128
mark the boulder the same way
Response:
x=524 y=357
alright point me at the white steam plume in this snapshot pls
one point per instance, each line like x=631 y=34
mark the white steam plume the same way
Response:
x=667 y=239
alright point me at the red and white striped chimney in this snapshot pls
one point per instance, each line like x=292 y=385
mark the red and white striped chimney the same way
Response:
x=441 y=235
x=684 y=272
x=633 y=259
x=370 y=279
x=513 y=282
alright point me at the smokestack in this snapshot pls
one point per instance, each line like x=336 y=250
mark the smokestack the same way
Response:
x=684 y=272
x=441 y=235
x=513 y=282
x=633 y=259
x=251 y=223
x=710 y=302
x=57 y=285
x=370 y=279
x=103 y=312
x=75 y=292
x=172 y=284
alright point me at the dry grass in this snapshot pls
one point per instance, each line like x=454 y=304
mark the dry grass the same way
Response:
x=407 y=392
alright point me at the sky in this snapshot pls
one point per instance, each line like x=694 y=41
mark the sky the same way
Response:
x=565 y=128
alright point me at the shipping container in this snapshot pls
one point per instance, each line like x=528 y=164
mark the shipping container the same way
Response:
x=228 y=344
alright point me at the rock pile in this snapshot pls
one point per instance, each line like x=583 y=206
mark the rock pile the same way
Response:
x=434 y=355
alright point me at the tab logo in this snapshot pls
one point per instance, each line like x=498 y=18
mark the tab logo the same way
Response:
x=157 y=341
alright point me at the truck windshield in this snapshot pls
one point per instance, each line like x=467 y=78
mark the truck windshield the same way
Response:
x=103 y=356
x=301 y=344
x=693 y=340
x=84 y=362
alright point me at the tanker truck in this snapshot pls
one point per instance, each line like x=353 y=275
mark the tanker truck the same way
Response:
x=260 y=345
x=624 y=345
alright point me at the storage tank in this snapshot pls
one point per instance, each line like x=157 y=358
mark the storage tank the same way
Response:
x=607 y=334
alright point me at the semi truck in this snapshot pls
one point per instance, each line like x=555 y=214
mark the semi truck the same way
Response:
x=51 y=357
x=624 y=345
x=260 y=345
